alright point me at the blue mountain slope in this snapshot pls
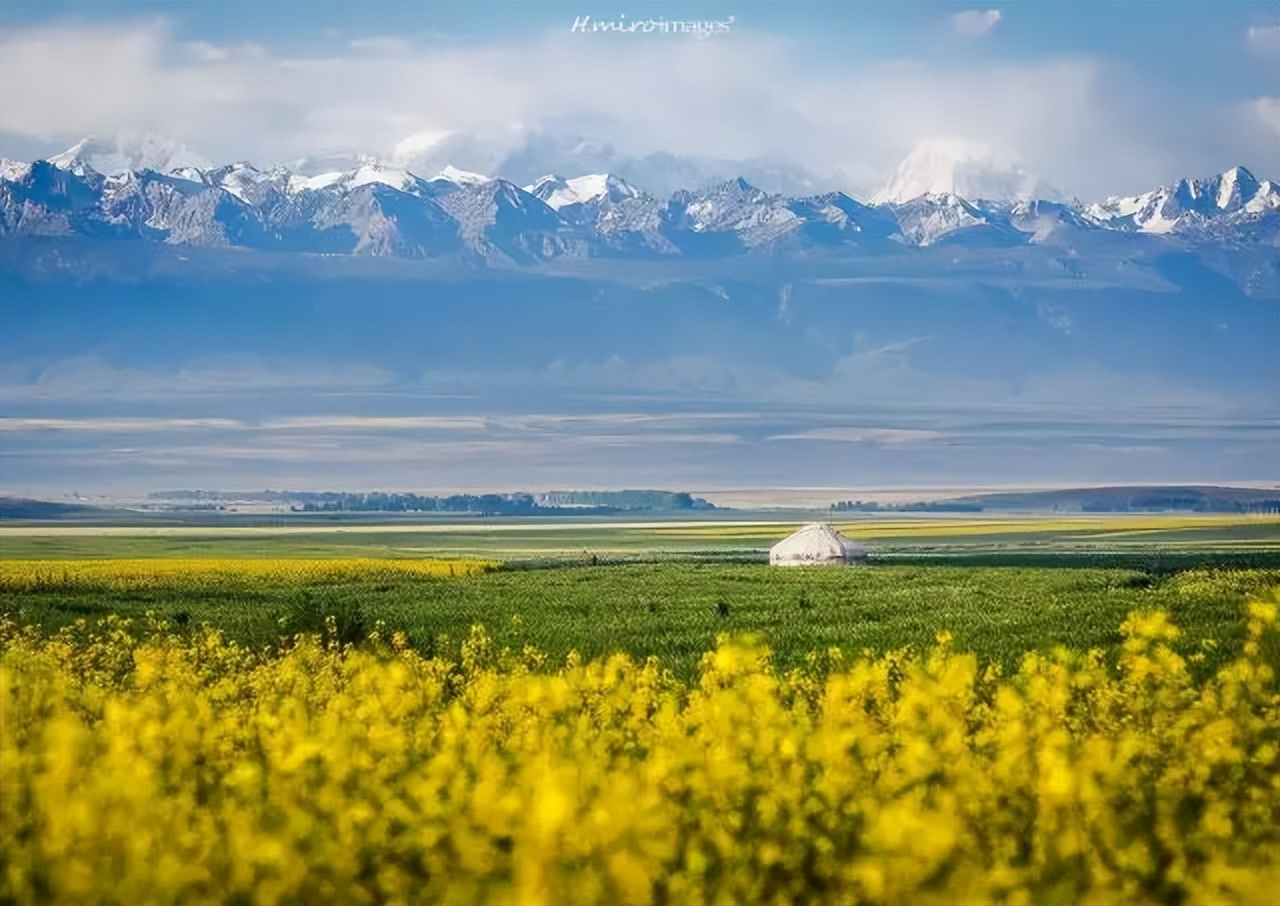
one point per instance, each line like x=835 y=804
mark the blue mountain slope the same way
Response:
x=1006 y=318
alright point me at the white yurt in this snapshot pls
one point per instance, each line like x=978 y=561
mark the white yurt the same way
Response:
x=817 y=544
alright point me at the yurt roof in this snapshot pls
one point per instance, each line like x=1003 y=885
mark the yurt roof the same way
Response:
x=815 y=535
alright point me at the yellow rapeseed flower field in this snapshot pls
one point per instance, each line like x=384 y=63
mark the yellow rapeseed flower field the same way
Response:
x=188 y=572
x=185 y=769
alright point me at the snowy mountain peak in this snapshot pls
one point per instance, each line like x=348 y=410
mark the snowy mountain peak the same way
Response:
x=966 y=169
x=377 y=172
x=243 y=180
x=13 y=170
x=193 y=174
x=559 y=193
x=369 y=171
x=1266 y=198
x=738 y=186
x=944 y=216
x=1188 y=203
x=946 y=199
x=545 y=184
x=74 y=160
x=460 y=177
x=1236 y=187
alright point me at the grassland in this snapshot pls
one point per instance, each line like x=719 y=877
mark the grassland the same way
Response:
x=672 y=610
x=1002 y=586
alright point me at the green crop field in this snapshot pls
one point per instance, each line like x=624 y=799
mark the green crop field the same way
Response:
x=1002 y=585
x=676 y=610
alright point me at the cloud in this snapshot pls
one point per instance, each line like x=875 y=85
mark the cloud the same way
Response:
x=602 y=427
x=974 y=23
x=1268 y=112
x=376 y=423
x=117 y=425
x=887 y=436
x=752 y=98
x=89 y=378
x=418 y=145
x=1264 y=37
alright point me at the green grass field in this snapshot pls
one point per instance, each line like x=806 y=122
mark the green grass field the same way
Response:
x=676 y=610
x=1002 y=586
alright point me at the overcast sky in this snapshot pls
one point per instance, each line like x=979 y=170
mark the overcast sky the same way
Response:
x=1095 y=98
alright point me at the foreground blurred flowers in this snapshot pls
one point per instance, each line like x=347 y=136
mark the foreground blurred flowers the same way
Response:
x=183 y=769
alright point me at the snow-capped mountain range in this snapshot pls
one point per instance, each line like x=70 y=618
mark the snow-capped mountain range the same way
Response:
x=374 y=208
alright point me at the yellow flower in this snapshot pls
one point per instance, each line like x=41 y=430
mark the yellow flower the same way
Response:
x=185 y=769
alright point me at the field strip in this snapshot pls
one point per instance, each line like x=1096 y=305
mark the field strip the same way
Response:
x=753 y=529
x=204 y=572
x=1003 y=525
x=195 y=531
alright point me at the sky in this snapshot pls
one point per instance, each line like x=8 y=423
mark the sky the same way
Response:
x=1096 y=99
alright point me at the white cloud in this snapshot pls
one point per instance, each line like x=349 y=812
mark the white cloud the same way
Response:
x=753 y=98
x=90 y=378
x=889 y=436
x=614 y=427
x=1265 y=37
x=116 y=425
x=382 y=47
x=418 y=145
x=975 y=23
x=1268 y=111
x=377 y=423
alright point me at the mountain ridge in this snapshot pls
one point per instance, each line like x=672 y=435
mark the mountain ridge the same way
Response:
x=382 y=210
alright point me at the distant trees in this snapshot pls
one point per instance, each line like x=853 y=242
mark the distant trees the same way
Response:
x=870 y=506
x=1088 y=500
x=561 y=503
